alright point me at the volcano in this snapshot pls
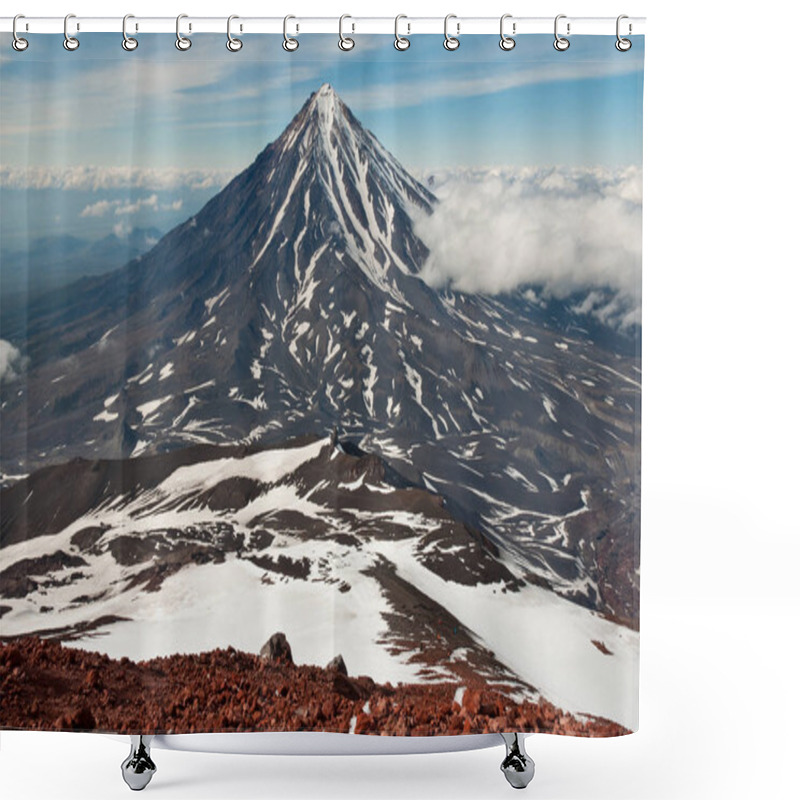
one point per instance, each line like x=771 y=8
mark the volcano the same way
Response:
x=291 y=296
x=290 y=308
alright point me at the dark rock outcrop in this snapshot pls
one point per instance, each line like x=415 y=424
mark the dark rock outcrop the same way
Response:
x=336 y=664
x=277 y=649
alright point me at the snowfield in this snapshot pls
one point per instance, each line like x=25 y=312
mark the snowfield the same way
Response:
x=545 y=640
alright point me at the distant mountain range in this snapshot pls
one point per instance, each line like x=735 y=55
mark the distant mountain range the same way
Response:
x=54 y=261
x=481 y=440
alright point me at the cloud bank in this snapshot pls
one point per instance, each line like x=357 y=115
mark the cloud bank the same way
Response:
x=121 y=207
x=567 y=231
x=96 y=178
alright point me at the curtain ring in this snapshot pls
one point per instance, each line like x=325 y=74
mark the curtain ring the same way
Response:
x=345 y=42
x=623 y=45
x=18 y=43
x=451 y=42
x=233 y=44
x=290 y=44
x=507 y=42
x=561 y=43
x=400 y=42
x=128 y=42
x=70 y=42
x=181 y=42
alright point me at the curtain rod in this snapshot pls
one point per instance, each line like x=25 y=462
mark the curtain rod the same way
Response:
x=386 y=25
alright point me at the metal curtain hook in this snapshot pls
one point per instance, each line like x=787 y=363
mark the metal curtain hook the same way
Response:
x=623 y=45
x=561 y=43
x=233 y=44
x=70 y=42
x=345 y=42
x=181 y=42
x=128 y=42
x=451 y=42
x=290 y=44
x=400 y=42
x=18 y=43
x=507 y=42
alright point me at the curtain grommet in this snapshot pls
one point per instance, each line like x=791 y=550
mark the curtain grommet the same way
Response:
x=401 y=43
x=290 y=44
x=233 y=44
x=182 y=42
x=129 y=43
x=346 y=43
x=561 y=43
x=451 y=43
x=18 y=43
x=622 y=44
x=71 y=43
x=507 y=43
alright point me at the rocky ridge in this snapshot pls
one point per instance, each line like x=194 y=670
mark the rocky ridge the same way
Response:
x=47 y=686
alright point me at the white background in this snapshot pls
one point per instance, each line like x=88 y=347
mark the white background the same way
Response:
x=720 y=599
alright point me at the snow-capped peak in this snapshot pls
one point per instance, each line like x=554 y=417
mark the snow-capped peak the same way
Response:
x=363 y=198
x=324 y=113
x=326 y=107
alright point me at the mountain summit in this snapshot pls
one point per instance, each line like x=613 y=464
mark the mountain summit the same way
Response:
x=336 y=149
x=331 y=184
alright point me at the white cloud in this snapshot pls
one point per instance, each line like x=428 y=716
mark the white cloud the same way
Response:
x=122 y=208
x=132 y=208
x=122 y=230
x=11 y=361
x=98 y=209
x=91 y=178
x=566 y=230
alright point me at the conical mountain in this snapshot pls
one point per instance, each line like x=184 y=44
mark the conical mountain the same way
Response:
x=285 y=298
x=326 y=185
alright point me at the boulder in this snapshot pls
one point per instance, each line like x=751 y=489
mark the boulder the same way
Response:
x=277 y=649
x=337 y=665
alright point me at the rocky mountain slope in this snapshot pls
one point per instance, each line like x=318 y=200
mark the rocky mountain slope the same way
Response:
x=290 y=305
x=460 y=457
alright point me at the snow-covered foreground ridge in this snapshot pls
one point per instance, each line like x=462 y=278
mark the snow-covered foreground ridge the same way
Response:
x=225 y=546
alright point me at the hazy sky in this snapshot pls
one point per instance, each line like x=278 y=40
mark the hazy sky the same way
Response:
x=157 y=107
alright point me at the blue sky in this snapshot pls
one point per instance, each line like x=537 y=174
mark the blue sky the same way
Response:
x=207 y=109
x=432 y=108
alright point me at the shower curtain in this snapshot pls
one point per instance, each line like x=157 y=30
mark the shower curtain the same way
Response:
x=320 y=385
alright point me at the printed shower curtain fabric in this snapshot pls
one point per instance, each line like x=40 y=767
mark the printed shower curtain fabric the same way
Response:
x=320 y=386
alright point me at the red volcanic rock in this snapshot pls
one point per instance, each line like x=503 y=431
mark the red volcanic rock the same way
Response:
x=10 y=657
x=471 y=702
x=601 y=646
x=46 y=686
x=346 y=687
x=80 y=719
